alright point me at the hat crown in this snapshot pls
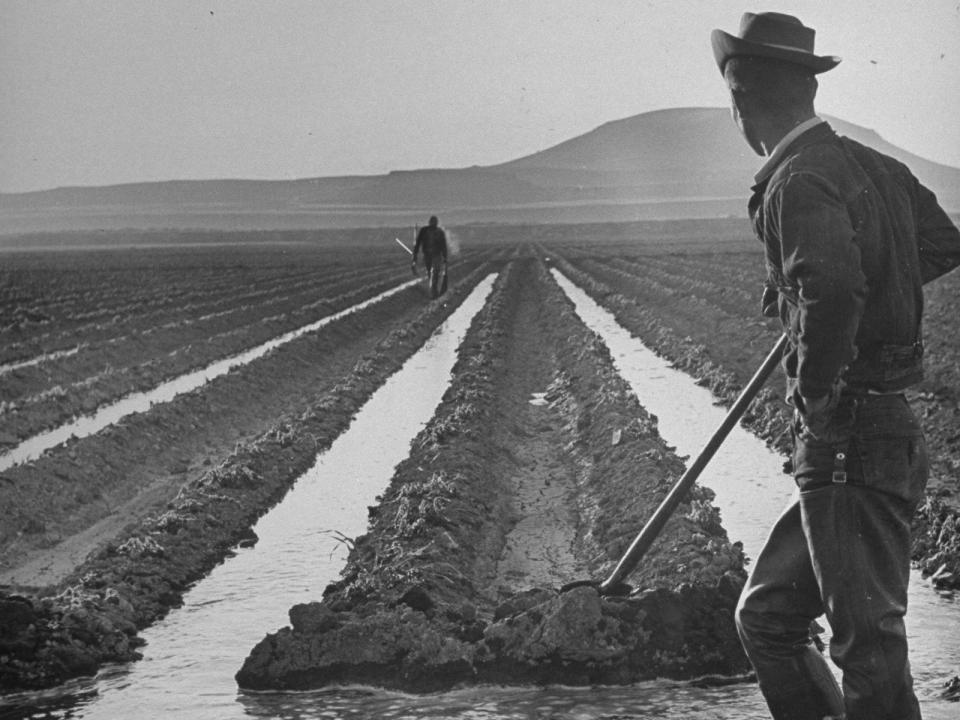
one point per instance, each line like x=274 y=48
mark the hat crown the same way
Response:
x=771 y=28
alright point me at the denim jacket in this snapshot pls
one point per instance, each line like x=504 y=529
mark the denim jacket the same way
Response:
x=850 y=237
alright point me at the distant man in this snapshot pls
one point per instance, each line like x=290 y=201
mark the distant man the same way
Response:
x=850 y=238
x=433 y=242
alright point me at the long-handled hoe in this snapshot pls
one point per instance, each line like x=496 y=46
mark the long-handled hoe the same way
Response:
x=615 y=585
x=413 y=266
x=400 y=242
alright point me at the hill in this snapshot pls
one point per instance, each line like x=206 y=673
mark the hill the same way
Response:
x=680 y=162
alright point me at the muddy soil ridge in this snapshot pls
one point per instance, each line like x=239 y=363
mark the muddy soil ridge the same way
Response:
x=107 y=363
x=456 y=583
x=710 y=329
x=692 y=302
x=93 y=615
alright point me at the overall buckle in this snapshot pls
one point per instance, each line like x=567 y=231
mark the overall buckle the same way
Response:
x=840 y=467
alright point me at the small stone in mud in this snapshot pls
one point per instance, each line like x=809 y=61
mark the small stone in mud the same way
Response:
x=951 y=689
x=418 y=599
x=249 y=539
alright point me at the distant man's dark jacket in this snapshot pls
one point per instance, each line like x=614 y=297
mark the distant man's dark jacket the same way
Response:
x=433 y=242
x=850 y=236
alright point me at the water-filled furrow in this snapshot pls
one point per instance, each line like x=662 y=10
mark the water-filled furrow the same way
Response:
x=141 y=402
x=107 y=371
x=10 y=367
x=751 y=488
x=180 y=676
x=191 y=656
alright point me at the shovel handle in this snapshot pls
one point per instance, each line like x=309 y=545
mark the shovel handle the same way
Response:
x=654 y=526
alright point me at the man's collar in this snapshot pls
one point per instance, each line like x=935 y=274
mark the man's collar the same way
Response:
x=781 y=148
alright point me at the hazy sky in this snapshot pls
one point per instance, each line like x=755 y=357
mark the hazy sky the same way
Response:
x=99 y=92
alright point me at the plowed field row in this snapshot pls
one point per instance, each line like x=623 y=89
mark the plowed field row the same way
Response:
x=85 y=285
x=697 y=326
x=497 y=492
x=117 y=525
x=112 y=476
x=501 y=502
x=118 y=343
x=44 y=395
x=46 y=309
x=131 y=313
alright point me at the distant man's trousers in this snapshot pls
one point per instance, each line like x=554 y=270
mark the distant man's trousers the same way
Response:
x=841 y=548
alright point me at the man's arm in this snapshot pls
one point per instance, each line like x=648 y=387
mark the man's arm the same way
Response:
x=939 y=247
x=417 y=244
x=822 y=262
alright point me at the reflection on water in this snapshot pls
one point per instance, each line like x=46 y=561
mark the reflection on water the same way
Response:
x=10 y=367
x=658 y=699
x=33 y=447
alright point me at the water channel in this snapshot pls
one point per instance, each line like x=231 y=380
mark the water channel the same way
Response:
x=190 y=658
x=751 y=489
x=33 y=447
x=10 y=367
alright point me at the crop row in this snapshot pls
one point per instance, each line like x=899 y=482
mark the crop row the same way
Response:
x=46 y=295
x=416 y=608
x=143 y=341
x=37 y=396
x=686 y=309
x=724 y=356
x=139 y=300
x=273 y=418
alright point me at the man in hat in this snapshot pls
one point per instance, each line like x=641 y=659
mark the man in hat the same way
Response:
x=850 y=238
x=432 y=240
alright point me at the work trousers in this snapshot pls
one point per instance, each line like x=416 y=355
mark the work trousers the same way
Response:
x=841 y=548
x=435 y=269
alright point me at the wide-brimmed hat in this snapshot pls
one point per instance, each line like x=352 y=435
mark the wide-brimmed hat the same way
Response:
x=771 y=35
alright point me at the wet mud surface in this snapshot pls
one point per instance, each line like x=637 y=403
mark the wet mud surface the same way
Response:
x=115 y=357
x=538 y=469
x=68 y=607
x=705 y=321
x=501 y=502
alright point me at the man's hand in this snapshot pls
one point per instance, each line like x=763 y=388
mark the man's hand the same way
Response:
x=413 y=266
x=818 y=416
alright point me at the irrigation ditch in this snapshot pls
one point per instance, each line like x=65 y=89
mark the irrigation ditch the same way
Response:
x=457 y=579
x=538 y=468
x=210 y=464
x=716 y=351
x=99 y=373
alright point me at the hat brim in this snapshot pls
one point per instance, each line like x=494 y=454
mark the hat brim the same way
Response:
x=726 y=46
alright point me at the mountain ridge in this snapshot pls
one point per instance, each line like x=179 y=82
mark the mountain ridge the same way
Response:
x=666 y=163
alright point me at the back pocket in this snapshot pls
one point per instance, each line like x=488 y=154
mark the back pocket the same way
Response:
x=894 y=465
